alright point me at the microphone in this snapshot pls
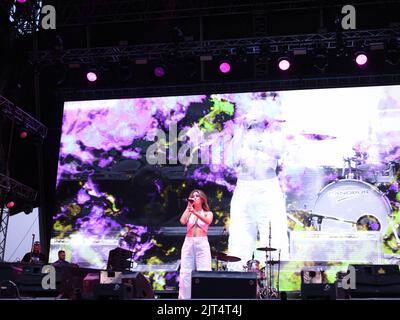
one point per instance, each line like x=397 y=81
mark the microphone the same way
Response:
x=190 y=200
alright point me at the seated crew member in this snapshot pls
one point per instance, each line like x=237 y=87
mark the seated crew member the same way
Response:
x=35 y=256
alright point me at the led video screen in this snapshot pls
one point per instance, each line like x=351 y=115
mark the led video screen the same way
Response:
x=311 y=173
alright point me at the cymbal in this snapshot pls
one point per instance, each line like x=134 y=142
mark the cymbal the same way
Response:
x=266 y=249
x=317 y=136
x=230 y=259
x=224 y=257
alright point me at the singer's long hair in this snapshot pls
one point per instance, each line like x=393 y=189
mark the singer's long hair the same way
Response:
x=203 y=198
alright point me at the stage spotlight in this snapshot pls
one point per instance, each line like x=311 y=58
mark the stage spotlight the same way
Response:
x=27 y=208
x=91 y=76
x=21 y=1
x=10 y=204
x=224 y=66
x=284 y=63
x=159 y=71
x=23 y=134
x=361 y=59
x=18 y=207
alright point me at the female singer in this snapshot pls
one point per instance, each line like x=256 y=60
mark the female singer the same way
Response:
x=196 y=254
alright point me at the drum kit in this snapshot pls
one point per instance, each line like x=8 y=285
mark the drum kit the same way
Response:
x=265 y=274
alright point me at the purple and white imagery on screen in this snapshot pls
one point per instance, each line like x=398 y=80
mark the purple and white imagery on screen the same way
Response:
x=126 y=166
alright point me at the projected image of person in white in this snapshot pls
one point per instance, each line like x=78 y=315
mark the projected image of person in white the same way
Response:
x=258 y=202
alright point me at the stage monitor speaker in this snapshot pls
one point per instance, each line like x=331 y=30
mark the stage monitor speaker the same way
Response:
x=224 y=285
x=113 y=291
x=314 y=286
x=376 y=281
x=129 y=285
x=318 y=291
x=141 y=286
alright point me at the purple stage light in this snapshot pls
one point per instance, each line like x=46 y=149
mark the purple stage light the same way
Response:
x=159 y=72
x=91 y=76
x=224 y=67
x=284 y=64
x=361 y=59
x=374 y=226
x=21 y=1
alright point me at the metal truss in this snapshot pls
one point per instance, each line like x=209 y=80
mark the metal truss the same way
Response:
x=77 y=12
x=8 y=185
x=26 y=16
x=251 y=46
x=227 y=87
x=4 y=217
x=21 y=118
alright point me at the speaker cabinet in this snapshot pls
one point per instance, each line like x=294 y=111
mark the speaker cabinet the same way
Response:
x=129 y=285
x=376 y=281
x=224 y=285
x=141 y=286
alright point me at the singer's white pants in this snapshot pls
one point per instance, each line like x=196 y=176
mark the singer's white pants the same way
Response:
x=254 y=205
x=196 y=255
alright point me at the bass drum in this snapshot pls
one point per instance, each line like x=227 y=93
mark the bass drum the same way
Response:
x=353 y=200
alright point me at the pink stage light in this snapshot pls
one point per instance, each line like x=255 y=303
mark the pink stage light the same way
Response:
x=10 y=204
x=225 y=67
x=91 y=76
x=284 y=64
x=23 y=134
x=21 y=1
x=361 y=59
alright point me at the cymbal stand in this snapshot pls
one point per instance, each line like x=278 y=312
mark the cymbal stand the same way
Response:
x=279 y=270
x=270 y=263
x=218 y=262
x=271 y=292
x=268 y=292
